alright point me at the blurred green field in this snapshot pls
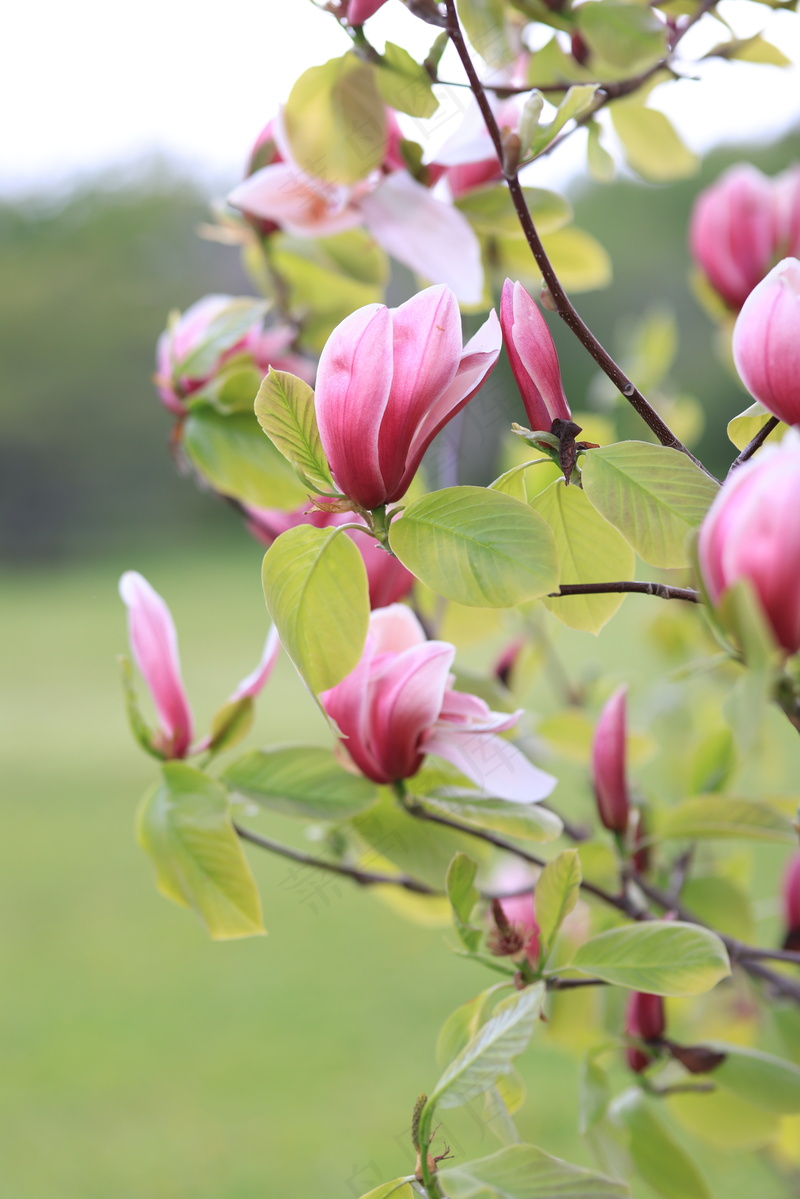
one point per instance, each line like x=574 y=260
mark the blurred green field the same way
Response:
x=140 y=1060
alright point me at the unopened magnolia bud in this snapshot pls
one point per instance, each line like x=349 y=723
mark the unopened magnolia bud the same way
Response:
x=608 y=764
x=791 y=903
x=546 y=299
x=766 y=342
x=529 y=119
x=512 y=148
x=532 y=354
x=580 y=51
x=645 y=1020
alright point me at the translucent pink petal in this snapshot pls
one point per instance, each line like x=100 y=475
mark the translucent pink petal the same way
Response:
x=298 y=204
x=252 y=684
x=461 y=708
x=154 y=644
x=494 y=764
x=427 y=346
x=353 y=381
x=408 y=697
x=395 y=629
x=432 y=238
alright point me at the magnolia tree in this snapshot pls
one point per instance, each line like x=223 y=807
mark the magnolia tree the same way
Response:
x=593 y=905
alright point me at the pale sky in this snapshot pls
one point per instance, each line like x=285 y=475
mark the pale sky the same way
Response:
x=88 y=84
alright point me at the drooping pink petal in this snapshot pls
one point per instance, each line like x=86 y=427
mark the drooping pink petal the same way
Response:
x=154 y=644
x=477 y=362
x=302 y=206
x=533 y=357
x=426 y=338
x=408 y=698
x=494 y=764
x=252 y=684
x=461 y=708
x=430 y=237
x=353 y=381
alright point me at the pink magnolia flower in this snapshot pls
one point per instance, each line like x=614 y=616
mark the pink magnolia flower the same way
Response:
x=388 y=381
x=608 y=763
x=426 y=234
x=154 y=645
x=752 y=531
x=766 y=341
x=359 y=11
x=645 y=1020
x=398 y=705
x=388 y=579
x=533 y=357
x=468 y=157
x=204 y=324
x=791 y=903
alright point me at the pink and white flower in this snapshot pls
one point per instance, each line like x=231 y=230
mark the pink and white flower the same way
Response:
x=398 y=706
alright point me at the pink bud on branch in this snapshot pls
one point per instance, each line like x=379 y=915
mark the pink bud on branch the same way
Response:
x=388 y=381
x=791 y=903
x=533 y=358
x=608 y=763
x=766 y=342
x=399 y=705
x=752 y=532
x=645 y=1020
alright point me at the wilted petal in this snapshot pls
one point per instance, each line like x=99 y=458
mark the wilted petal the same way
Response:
x=494 y=764
x=430 y=237
x=154 y=644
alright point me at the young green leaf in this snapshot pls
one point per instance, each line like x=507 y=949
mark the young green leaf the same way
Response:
x=315 y=585
x=651 y=146
x=556 y=894
x=400 y=1188
x=726 y=817
x=227 y=328
x=300 y=780
x=664 y=957
x=624 y=35
x=463 y=896
x=335 y=120
x=476 y=547
x=577 y=102
x=590 y=550
x=760 y=1078
x=231 y=724
x=530 y=822
x=525 y=1172
x=490 y=210
x=284 y=408
x=654 y=495
x=491 y=1052
x=462 y=1025
x=594 y=1094
x=658 y=1157
x=404 y=83
x=184 y=825
x=236 y=458
x=743 y=428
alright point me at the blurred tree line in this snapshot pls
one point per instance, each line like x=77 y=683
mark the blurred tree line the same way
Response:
x=88 y=281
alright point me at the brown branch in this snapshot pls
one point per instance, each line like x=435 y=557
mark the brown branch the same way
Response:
x=659 y=589
x=756 y=444
x=562 y=303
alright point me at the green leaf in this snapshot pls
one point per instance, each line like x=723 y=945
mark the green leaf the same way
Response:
x=404 y=84
x=529 y=479
x=590 y=550
x=725 y=817
x=463 y=896
x=529 y=822
x=491 y=211
x=654 y=495
x=484 y=22
x=315 y=585
x=335 y=120
x=741 y=615
x=594 y=1095
x=580 y=260
x=722 y=905
x=712 y=762
x=221 y=335
x=184 y=825
x=557 y=893
x=652 y=147
x=461 y=1026
x=412 y=845
x=600 y=163
x=476 y=547
x=525 y=1172
x=233 y=388
x=399 y=1189
x=743 y=428
x=231 y=724
x=235 y=457
x=657 y=1156
x=765 y=1081
x=664 y=957
x=300 y=780
x=577 y=102
x=491 y=1051
x=284 y=408
x=624 y=35
x=750 y=49
x=138 y=725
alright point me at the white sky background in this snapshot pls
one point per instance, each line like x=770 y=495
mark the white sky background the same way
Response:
x=89 y=85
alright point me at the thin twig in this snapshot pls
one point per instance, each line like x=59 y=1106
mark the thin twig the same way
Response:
x=571 y=984
x=756 y=444
x=659 y=589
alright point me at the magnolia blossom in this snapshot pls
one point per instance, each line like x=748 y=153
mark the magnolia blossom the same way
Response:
x=741 y=225
x=426 y=234
x=766 y=341
x=752 y=531
x=204 y=324
x=520 y=910
x=791 y=903
x=398 y=705
x=154 y=645
x=468 y=156
x=608 y=764
x=388 y=579
x=388 y=380
x=533 y=357
x=359 y=11
x=645 y=1020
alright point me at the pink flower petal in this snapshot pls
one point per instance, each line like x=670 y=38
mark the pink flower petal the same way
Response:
x=301 y=206
x=251 y=685
x=533 y=357
x=395 y=629
x=493 y=763
x=408 y=698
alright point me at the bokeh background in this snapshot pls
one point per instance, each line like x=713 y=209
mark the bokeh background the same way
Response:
x=137 y=1059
